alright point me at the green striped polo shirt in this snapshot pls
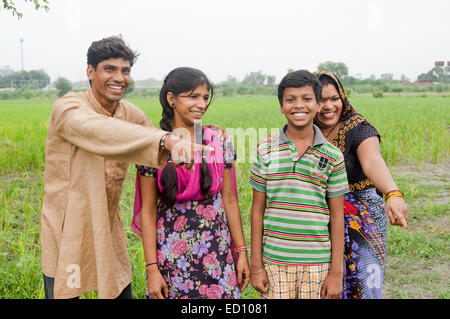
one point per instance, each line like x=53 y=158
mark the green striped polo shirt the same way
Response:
x=297 y=215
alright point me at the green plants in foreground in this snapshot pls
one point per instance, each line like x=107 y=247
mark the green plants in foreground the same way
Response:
x=413 y=131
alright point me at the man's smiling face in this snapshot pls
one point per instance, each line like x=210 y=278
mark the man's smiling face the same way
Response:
x=109 y=81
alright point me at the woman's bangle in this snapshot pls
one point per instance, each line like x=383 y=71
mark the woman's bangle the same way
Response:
x=394 y=193
x=150 y=264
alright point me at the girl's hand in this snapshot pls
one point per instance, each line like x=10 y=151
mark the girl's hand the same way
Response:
x=260 y=281
x=332 y=286
x=156 y=285
x=397 y=211
x=243 y=270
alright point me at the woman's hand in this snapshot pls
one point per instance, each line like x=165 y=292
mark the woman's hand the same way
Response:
x=156 y=285
x=397 y=211
x=243 y=270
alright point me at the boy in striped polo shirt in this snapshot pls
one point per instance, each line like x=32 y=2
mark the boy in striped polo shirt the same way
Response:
x=299 y=181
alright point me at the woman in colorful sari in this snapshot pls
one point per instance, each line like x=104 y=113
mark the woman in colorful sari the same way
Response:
x=365 y=212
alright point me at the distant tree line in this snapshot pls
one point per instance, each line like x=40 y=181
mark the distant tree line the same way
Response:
x=30 y=84
x=386 y=82
x=34 y=79
x=439 y=74
x=253 y=83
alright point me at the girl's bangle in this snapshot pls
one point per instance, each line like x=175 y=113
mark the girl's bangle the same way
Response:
x=150 y=264
x=240 y=248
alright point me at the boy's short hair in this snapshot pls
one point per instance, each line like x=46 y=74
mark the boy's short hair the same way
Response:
x=298 y=79
x=110 y=48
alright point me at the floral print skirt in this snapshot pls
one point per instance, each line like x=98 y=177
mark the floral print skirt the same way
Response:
x=365 y=245
x=194 y=251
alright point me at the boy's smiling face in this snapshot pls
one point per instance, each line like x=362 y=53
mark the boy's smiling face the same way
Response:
x=299 y=106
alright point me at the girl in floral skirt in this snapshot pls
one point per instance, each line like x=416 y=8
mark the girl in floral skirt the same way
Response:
x=188 y=219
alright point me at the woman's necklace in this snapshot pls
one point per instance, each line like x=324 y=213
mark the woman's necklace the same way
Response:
x=332 y=129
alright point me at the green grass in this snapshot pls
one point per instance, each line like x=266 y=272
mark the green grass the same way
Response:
x=418 y=258
x=415 y=139
x=412 y=128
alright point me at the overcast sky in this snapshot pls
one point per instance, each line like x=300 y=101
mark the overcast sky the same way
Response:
x=233 y=37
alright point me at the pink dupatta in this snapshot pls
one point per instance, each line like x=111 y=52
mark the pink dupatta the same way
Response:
x=191 y=191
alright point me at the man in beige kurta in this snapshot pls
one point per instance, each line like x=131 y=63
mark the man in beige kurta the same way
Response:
x=91 y=139
x=87 y=156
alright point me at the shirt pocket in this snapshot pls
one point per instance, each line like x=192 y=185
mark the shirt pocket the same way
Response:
x=321 y=170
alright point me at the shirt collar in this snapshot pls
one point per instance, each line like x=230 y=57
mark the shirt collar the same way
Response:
x=118 y=112
x=318 y=136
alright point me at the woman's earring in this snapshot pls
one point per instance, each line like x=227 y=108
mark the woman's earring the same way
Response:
x=173 y=105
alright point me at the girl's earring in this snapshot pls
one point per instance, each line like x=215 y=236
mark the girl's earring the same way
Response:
x=173 y=105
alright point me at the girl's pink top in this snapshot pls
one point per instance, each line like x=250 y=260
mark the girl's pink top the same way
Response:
x=188 y=182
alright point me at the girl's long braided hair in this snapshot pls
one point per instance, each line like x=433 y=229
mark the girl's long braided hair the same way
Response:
x=180 y=80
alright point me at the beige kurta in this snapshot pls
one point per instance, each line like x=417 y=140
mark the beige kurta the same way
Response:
x=88 y=151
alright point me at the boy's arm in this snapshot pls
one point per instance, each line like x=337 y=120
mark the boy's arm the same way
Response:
x=332 y=286
x=258 y=181
x=258 y=275
x=258 y=208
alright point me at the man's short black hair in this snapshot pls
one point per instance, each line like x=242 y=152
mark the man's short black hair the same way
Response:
x=110 y=48
x=298 y=79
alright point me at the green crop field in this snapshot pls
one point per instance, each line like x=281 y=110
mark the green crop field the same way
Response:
x=415 y=144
